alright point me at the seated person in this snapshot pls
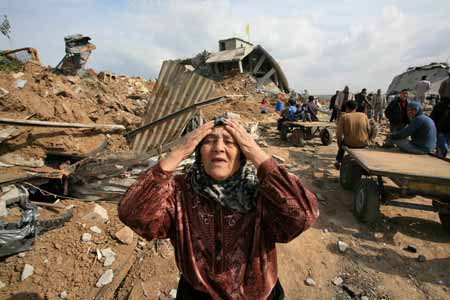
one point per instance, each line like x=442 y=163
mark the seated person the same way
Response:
x=288 y=114
x=421 y=130
x=311 y=110
x=353 y=131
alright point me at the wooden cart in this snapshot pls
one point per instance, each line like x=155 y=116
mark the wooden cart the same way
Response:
x=301 y=131
x=363 y=170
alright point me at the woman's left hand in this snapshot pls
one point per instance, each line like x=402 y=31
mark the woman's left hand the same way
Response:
x=248 y=146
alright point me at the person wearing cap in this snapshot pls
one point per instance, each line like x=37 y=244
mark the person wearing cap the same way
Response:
x=422 y=131
x=223 y=215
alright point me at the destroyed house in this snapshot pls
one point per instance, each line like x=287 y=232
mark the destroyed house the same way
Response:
x=238 y=55
x=435 y=72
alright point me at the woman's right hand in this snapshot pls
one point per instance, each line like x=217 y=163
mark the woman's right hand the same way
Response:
x=185 y=149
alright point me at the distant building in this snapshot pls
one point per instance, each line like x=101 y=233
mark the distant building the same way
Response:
x=236 y=54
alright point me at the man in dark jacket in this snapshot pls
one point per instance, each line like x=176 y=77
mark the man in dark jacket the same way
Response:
x=311 y=110
x=362 y=104
x=396 y=112
x=421 y=130
x=333 y=107
x=441 y=117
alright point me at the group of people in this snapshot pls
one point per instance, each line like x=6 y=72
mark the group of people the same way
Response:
x=298 y=111
x=411 y=130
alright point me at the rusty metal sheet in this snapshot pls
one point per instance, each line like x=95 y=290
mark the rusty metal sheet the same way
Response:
x=176 y=88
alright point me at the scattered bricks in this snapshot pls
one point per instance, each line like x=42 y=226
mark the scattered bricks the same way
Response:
x=125 y=235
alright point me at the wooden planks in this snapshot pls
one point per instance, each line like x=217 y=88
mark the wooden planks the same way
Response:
x=395 y=163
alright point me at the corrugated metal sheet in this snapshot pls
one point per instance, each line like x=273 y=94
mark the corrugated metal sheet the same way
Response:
x=175 y=89
x=436 y=73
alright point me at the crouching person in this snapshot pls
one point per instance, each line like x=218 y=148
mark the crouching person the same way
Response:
x=223 y=217
x=353 y=131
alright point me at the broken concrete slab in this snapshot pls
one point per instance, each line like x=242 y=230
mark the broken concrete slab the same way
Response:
x=173 y=293
x=26 y=272
x=105 y=279
x=125 y=235
x=2 y=285
x=107 y=252
x=63 y=295
x=98 y=214
x=338 y=281
x=109 y=261
x=310 y=282
x=17 y=160
x=3 y=209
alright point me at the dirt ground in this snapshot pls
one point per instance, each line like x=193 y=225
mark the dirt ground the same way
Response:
x=375 y=265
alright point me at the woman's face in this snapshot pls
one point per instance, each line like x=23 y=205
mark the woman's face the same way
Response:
x=220 y=154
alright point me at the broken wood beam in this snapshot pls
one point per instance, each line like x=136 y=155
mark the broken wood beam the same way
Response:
x=33 y=123
x=209 y=101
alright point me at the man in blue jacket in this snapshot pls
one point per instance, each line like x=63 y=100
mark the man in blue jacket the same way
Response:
x=421 y=130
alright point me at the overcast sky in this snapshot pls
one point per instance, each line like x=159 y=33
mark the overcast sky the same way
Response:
x=321 y=45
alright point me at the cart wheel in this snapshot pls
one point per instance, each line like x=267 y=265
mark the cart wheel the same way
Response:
x=366 y=201
x=325 y=137
x=350 y=173
x=284 y=132
x=445 y=221
x=297 y=138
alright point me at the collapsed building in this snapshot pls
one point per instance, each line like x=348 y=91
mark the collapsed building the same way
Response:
x=435 y=72
x=237 y=55
x=78 y=50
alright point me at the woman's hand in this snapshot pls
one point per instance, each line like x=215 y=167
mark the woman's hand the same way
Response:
x=183 y=151
x=248 y=146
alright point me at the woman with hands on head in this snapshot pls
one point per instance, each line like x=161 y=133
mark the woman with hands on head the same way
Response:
x=223 y=216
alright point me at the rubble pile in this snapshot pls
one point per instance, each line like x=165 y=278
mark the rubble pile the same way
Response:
x=47 y=96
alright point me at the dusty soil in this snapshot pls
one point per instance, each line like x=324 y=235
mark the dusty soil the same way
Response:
x=375 y=264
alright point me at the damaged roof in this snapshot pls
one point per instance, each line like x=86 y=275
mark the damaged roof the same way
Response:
x=435 y=72
x=229 y=55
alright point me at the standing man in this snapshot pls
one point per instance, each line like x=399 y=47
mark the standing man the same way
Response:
x=333 y=107
x=396 y=112
x=379 y=104
x=441 y=118
x=362 y=105
x=444 y=89
x=422 y=87
x=353 y=131
x=341 y=100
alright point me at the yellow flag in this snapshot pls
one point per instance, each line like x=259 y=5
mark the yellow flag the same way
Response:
x=247 y=29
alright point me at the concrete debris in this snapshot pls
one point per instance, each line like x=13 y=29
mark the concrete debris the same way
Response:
x=20 y=83
x=27 y=272
x=107 y=252
x=2 y=285
x=12 y=194
x=21 y=254
x=105 y=279
x=365 y=298
x=95 y=229
x=63 y=295
x=98 y=214
x=125 y=235
x=17 y=160
x=109 y=261
x=337 y=281
x=3 y=92
x=278 y=158
x=342 y=246
x=173 y=293
x=310 y=282
x=86 y=237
